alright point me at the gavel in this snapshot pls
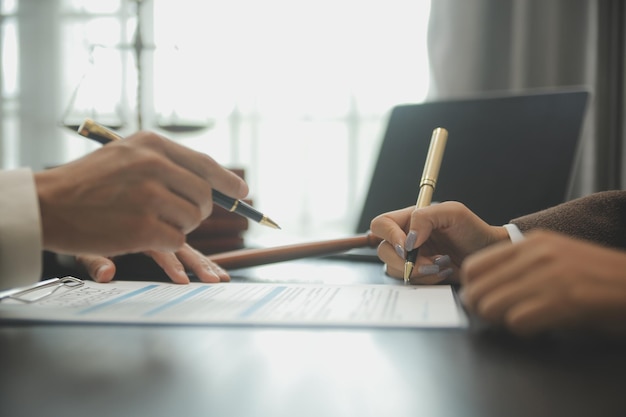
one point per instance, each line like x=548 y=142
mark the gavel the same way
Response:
x=242 y=258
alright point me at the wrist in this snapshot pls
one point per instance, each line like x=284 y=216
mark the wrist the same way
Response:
x=499 y=234
x=44 y=184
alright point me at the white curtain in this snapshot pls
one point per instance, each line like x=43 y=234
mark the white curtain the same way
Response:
x=480 y=46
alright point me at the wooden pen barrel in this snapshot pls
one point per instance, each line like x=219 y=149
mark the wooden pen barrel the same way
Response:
x=243 y=258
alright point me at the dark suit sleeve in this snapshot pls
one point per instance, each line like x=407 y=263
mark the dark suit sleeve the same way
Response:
x=600 y=217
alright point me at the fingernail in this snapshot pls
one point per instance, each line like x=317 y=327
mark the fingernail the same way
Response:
x=428 y=269
x=184 y=278
x=410 y=240
x=215 y=276
x=399 y=250
x=219 y=273
x=443 y=261
x=100 y=272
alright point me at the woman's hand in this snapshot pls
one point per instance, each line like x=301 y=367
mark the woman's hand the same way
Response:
x=445 y=234
x=547 y=281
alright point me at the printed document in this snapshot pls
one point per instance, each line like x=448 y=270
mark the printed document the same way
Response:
x=241 y=304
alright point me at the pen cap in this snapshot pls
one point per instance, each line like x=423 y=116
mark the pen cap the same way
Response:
x=431 y=166
x=434 y=157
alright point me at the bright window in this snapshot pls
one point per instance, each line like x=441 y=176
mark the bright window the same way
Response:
x=294 y=92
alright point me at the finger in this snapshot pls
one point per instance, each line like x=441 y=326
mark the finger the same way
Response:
x=507 y=273
x=505 y=262
x=438 y=217
x=394 y=266
x=571 y=304
x=429 y=278
x=432 y=270
x=169 y=206
x=201 y=164
x=539 y=314
x=390 y=227
x=151 y=233
x=481 y=281
x=205 y=269
x=420 y=279
x=149 y=162
x=427 y=271
x=99 y=268
x=389 y=255
x=156 y=176
x=393 y=272
x=170 y=265
x=191 y=188
x=495 y=304
x=476 y=265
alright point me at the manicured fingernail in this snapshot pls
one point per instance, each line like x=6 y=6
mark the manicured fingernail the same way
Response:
x=443 y=261
x=410 y=240
x=428 y=269
x=399 y=250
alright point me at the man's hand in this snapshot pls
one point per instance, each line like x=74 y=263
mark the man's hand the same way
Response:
x=139 y=194
x=174 y=264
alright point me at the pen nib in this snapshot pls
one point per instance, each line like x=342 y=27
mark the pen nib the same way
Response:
x=408 y=268
x=269 y=222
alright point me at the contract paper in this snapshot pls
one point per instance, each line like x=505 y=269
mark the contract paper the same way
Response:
x=243 y=304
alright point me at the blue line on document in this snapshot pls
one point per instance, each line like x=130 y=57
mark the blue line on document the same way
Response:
x=175 y=301
x=263 y=301
x=116 y=300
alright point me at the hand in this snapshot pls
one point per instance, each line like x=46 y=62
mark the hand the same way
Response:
x=445 y=233
x=547 y=281
x=175 y=264
x=143 y=193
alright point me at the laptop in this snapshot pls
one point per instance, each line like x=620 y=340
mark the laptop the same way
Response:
x=506 y=155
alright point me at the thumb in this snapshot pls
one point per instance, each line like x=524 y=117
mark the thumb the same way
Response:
x=99 y=268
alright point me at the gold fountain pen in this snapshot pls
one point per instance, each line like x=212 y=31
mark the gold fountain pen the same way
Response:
x=427 y=185
x=99 y=133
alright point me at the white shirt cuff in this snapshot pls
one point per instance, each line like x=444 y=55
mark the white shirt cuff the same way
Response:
x=21 y=242
x=514 y=233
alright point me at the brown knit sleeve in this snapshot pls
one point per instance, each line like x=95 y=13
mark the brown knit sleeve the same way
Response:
x=599 y=217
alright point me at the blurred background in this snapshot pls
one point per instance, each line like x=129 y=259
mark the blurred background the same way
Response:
x=296 y=93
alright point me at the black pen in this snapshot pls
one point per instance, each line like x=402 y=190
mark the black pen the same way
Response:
x=99 y=133
x=427 y=185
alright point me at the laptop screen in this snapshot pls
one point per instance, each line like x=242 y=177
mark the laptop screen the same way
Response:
x=506 y=156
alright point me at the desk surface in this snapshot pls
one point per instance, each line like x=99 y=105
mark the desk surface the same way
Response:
x=124 y=370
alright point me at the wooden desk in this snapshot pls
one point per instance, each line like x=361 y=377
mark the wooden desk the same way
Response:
x=117 y=370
